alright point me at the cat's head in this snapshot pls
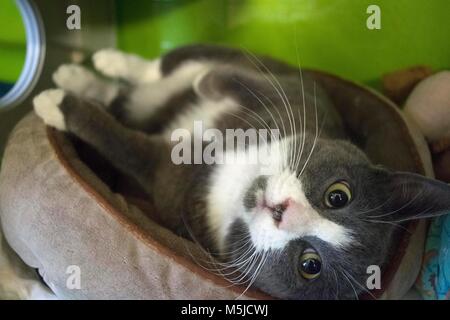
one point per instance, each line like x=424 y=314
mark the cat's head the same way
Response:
x=312 y=228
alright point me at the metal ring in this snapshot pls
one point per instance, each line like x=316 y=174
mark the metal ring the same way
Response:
x=34 y=57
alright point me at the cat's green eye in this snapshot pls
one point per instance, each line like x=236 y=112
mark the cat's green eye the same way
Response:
x=338 y=195
x=310 y=264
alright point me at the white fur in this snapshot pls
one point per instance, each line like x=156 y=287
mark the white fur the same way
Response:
x=198 y=78
x=225 y=204
x=46 y=106
x=206 y=111
x=300 y=221
x=83 y=83
x=229 y=183
x=147 y=97
x=132 y=68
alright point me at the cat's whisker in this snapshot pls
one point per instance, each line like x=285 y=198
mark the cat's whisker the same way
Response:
x=351 y=284
x=241 y=260
x=195 y=240
x=235 y=270
x=261 y=121
x=258 y=271
x=317 y=133
x=236 y=280
x=281 y=137
x=200 y=262
x=240 y=244
x=386 y=222
x=359 y=213
x=212 y=261
x=302 y=122
x=337 y=283
x=279 y=90
x=255 y=116
x=422 y=214
x=263 y=260
x=359 y=285
x=262 y=103
x=247 y=278
x=245 y=121
x=427 y=213
x=399 y=209
x=243 y=277
x=235 y=263
x=280 y=118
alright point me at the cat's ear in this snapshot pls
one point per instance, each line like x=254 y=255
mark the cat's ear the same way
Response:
x=413 y=196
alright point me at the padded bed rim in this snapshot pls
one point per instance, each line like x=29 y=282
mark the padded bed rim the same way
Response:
x=388 y=274
x=134 y=229
x=418 y=160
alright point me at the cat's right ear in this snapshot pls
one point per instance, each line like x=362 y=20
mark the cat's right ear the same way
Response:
x=415 y=197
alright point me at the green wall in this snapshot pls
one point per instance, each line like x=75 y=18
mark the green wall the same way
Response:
x=12 y=42
x=327 y=34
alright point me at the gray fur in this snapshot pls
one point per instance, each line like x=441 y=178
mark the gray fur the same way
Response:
x=180 y=191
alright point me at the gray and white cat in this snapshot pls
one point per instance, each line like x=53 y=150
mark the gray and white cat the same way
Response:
x=305 y=227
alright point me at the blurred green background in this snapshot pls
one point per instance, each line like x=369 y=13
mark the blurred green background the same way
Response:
x=12 y=44
x=327 y=34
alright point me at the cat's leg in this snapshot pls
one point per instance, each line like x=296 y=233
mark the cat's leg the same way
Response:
x=134 y=153
x=132 y=68
x=150 y=90
x=145 y=99
x=222 y=55
x=85 y=84
x=136 y=70
x=82 y=82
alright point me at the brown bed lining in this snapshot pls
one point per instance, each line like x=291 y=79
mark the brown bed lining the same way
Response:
x=135 y=229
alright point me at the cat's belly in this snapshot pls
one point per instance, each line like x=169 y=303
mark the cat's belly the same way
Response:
x=198 y=117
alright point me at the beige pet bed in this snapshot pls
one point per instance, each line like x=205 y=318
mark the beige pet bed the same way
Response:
x=61 y=206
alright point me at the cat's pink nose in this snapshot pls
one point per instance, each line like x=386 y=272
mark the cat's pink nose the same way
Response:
x=279 y=209
x=289 y=214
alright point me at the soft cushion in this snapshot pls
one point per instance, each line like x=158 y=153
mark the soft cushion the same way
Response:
x=57 y=213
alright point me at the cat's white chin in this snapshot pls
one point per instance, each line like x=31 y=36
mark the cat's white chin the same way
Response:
x=266 y=236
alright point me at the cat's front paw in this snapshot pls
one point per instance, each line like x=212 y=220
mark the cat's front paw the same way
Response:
x=74 y=78
x=47 y=107
x=84 y=83
x=111 y=62
x=132 y=68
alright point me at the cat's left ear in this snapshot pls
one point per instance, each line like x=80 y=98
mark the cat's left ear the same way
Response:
x=414 y=196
